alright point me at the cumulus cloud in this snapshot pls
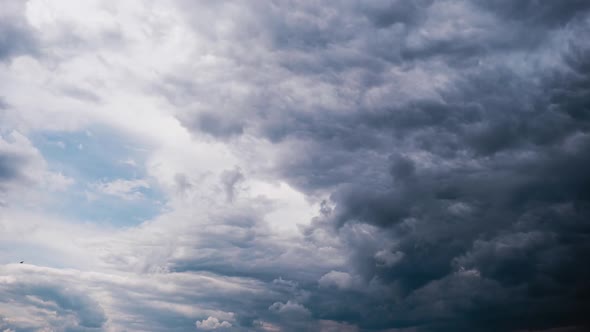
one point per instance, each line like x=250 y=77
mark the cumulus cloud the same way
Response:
x=338 y=279
x=289 y=309
x=212 y=323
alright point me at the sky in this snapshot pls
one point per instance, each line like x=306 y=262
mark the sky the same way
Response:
x=296 y=165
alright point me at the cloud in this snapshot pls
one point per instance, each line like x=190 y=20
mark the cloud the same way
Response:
x=291 y=309
x=391 y=165
x=388 y=258
x=17 y=37
x=125 y=189
x=329 y=326
x=18 y=159
x=439 y=140
x=212 y=323
x=337 y=279
x=23 y=170
x=230 y=179
x=92 y=300
x=42 y=304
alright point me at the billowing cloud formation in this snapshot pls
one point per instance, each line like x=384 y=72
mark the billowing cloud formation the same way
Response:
x=348 y=166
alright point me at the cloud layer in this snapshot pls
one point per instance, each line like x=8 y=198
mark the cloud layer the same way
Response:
x=298 y=165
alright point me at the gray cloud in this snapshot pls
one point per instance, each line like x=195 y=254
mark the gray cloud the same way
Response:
x=453 y=138
x=52 y=305
x=539 y=13
x=9 y=166
x=16 y=36
x=230 y=179
x=19 y=163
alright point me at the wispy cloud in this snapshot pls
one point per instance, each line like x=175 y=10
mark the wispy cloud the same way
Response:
x=125 y=189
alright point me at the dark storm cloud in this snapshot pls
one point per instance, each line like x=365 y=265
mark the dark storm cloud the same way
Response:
x=538 y=12
x=512 y=176
x=478 y=185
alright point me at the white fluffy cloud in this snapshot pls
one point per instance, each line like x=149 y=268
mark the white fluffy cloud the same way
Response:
x=212 y=323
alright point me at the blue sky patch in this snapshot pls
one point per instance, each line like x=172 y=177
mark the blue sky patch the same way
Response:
x=95 y=157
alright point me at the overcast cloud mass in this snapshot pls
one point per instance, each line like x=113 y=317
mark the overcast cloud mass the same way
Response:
x=406 y=166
